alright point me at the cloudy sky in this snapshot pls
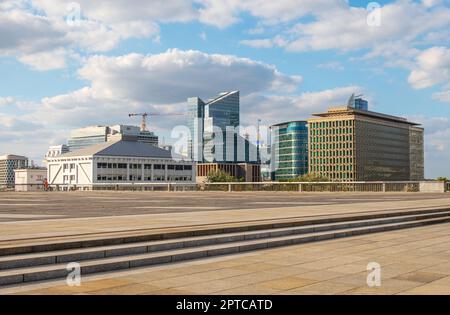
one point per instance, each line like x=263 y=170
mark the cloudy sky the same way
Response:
x=66 y=65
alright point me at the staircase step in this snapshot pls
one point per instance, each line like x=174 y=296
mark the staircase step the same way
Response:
x=34 y=246
x=81 y=254
x=55 y=271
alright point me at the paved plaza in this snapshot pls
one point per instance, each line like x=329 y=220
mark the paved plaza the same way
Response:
x=413 y=260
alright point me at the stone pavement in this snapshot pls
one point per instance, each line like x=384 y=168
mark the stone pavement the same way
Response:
x=413 y=261
x=292 y=205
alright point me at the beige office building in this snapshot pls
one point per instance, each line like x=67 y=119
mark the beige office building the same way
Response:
x=346 y=144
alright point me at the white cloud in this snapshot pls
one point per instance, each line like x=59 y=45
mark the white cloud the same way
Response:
x=5 y=101
x=443 y=96
x=175 y=74
x=276 y=108
x=258 y=43
x=225 y=13
x=332 y=65
x=35 y=31
x=432 y=67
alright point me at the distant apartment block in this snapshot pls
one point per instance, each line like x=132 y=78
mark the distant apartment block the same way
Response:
x=30 y=179
x=289 y=150
x=9 y=163
x=348 y=144
x=84 y=137
x=121 y=162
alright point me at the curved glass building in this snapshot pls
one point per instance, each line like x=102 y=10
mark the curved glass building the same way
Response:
x=289 y=150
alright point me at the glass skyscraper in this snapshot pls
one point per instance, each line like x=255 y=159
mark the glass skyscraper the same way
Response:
x=214 y=130
x=289 y=150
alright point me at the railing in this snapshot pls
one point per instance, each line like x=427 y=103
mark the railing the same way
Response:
x=235 y=187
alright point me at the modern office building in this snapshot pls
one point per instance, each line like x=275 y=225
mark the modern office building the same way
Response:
x=347 y=144
x=214 y=131
x=30 y=179
x=121 y=162
x=8 y=163
x=289 y=150
x=84 y=137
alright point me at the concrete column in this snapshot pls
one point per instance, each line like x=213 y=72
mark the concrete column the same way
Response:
x=300 y=187
x=128 y=172
x=142 y=172
x=229 y=188
x=166 y=172
x=384 y=187
x=152 y=172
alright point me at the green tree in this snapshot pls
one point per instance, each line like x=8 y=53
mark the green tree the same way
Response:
x=311 y=177
x=443 y=179
x=219 y=176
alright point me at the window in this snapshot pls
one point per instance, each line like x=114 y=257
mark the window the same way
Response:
x=171 y=167
x=159 y=167
x=178 y=167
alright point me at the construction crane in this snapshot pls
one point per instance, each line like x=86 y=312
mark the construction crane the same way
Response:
x=145 y=115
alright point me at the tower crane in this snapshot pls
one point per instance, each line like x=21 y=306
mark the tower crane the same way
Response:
x=145 y=115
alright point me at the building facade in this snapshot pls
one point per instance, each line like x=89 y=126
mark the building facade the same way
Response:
x=9 y=163
x=84 y=137
x=214 y=128
x=30 y=179
x=347 y=144
x=120 y=162
x=289 y=150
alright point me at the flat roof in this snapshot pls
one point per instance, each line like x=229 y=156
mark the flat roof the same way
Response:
x=13 y=157
x=289 y=122
x=336 y=111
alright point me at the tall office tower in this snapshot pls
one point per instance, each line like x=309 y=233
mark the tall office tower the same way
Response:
x=289 y=150
x=196 y=114
x=214 y=131
x=357 y=102
x=84 y=137
x=8 y=163
x=346 y=144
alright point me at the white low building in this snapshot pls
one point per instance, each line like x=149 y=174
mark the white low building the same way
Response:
x=30 y=179
x=119 y=163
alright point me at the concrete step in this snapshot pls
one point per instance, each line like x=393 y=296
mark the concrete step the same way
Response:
x=106 y=239
x=80 y=254
x=56 y=271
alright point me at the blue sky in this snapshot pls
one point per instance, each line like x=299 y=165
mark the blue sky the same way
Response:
x=289 y=58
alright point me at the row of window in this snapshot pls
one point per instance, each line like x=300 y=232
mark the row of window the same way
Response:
x=133 y=178
x=146 y=166
x=341 y=160
x=331 y=131
x=332 y=146
x=321 y=139
x=330 y=124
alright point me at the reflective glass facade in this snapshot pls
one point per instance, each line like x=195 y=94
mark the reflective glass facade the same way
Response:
x=214 y=127
x=289 y=150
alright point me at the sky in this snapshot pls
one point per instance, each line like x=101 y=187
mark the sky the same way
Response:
x=66 y=65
